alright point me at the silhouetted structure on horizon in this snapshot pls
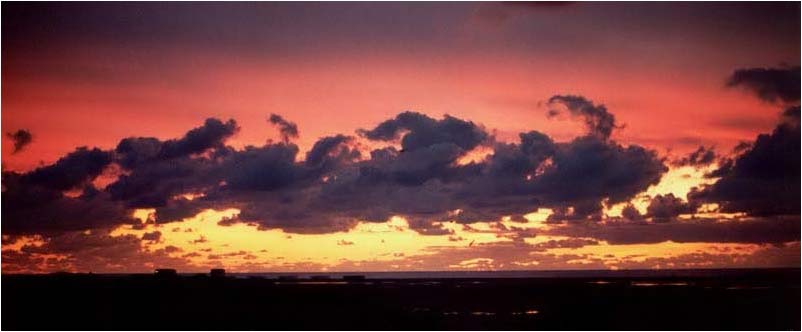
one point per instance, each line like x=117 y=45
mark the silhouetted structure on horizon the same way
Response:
x=218 y=273
x=354 y=278
x=166 y=273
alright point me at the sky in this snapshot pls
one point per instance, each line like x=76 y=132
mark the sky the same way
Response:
x=399 y=136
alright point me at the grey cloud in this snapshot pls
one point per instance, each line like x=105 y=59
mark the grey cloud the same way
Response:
x=663 y=208
x=288 y=130
x=598 y=120
x=423 y=131
x=21 y=139
x=631 y=213
x=702 y=156
x=763 y=180
x=774 y=230
x=769 y=84
x=154 y=236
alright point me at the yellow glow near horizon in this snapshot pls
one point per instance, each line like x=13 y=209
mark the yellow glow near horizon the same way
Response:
x=677 y=181
x=667 y=249
x=393 y=245
x=367 y=241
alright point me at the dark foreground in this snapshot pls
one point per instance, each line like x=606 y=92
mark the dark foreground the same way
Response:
x=741 y=300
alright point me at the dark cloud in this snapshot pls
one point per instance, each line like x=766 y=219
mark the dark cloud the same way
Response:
x=426 y=227
x=226 y=221
x=178 y=209
x=598 y=120
x=769 y=84
x=288 y=130
x=37 y=202
x=702 y=156
x=155 y=171
x=631 y=213
x=333 y=187
x=588 y=168
x=172 y=249
x=421 y=131
x=573 y=178
x=154 y=184
x=96 y=251
x=266 y=168
x=775 y=230
x=135 y=151
x=35 y=210
x=763 y=180
x=331 y=152
x=791 y=114
x=21 y=139
x=159 y=170
x=154 y=236
x=663 y=208
x=201 y=239
x=212 y=134
x=71 y=171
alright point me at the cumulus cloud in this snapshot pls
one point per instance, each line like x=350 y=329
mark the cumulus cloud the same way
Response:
x=769 y=84
x=21 y=139
x=598 y=120
x=663 y=208
x=212 y=134
x=334 y=186
x=36 y=202
x=422 y=179
x=589 y=169
x=71 y=171
x=135 y=151
x=287 y=129
x=631 y=213
x=157 y=171
x=702 y=156
x=763 y=179
x=331 y=152
x=421 y=131
x=41 y=211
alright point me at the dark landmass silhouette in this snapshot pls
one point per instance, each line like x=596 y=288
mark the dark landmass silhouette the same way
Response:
x=748 y=299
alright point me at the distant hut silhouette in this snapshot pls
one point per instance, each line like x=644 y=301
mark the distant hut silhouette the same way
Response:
x=166 y=273
x=218 y=273
x=354 y=278
x=288 y=278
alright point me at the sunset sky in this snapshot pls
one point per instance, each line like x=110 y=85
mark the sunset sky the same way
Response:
x=399 y=136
